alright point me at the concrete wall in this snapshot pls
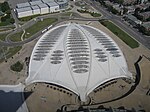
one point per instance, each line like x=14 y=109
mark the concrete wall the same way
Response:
x=54 y=9
x=25 y=14
x=44 y=10
x=36 y=11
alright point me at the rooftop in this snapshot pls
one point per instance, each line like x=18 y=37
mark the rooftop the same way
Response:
x=23 y=9
x=42 y=5
x=61 y=1
x=35 y=7
x=36 y=2
x=26 y=4
x=52 y=4
x=131 y=17
x=47 y=1
x=146 y=25
x=72 y=55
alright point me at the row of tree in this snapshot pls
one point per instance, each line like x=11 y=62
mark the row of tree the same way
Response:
x=6 y=9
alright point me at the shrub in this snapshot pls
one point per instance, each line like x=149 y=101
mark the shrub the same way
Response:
x=17 y=67
x=5 y=7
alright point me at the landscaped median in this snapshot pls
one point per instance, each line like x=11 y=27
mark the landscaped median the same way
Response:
x=120 y=33
x=3 y=36
x=33 y=29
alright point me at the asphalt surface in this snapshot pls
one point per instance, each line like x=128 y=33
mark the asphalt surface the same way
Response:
x=107 y=15
x=118 y=21
x=61 y=18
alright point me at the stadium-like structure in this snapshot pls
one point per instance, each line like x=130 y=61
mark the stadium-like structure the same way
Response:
x=76 y=57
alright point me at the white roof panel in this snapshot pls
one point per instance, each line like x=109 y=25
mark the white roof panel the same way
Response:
x=61 y=1
x=24 y=9
x=77 y=57
x=51 y=4
x=43 y=5
x=36 y=2
x=47 y=1
x=26 y=4
x=35 y=7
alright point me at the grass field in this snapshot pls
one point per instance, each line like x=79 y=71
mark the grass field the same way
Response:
x=39 y=26
x=16 y=37
x=33 y=29
x=121 y=34
x=67 y=14
x=7 y=52
x=2 y=37
x=25 y=19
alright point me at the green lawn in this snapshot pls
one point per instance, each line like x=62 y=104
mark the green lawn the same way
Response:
x=25 y=19
x=2 y=37
x=33 y=29
x=121 y=34
x=8 y=52
x=5 y=23
x=16 y=37
x=67 y=14
x=39 y=26
x=95 y=14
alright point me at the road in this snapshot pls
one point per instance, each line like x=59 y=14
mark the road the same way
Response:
x=62 y=18
x=118 y=21
x=11 y=2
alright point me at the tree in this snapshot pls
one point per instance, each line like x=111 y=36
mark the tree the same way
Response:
x=119 y=1
x=136 y=12
x=5 y=7
x=17 y=66
x=125 y=10
x=12 y=21
x=3 y=19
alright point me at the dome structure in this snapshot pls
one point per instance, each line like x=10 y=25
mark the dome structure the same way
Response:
x=77 y=57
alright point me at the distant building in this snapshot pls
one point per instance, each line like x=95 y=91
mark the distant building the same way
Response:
x=35 y=9
x=63 y=4
x=129 y=2
x=36 y=2
x=20 y=5
x=130 y=9
x=44 y=8
x=47 y=1
x=145 y=15
x=81 y=63
x=53 y=7
x=24 y=11
x=40 y=7
x=143 y=6
x=133 y=20
x=143 y=1
x=108 y=3
x=118 y=8
x=146 y=25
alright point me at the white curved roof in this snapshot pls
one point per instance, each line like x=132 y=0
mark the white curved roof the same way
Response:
x=77 y=57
